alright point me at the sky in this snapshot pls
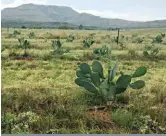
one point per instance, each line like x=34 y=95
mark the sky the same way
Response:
x=135 y=10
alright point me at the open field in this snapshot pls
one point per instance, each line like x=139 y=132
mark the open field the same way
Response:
x=39 y=93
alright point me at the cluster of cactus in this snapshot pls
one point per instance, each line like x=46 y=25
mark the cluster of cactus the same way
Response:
x=150 y=51
x=70 y=38
x=88 y=42
x=158 y=38
x=31 y=35
x=104 y=50
x=24 y=44
x=94 y=81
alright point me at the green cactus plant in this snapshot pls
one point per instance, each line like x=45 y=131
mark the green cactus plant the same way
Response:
x=24 y=44
x=158 y=38
x=15 y=33
x=150 y=51
x=103 y=51
x=31 y=35
x=94 y=81
x=21 y=40
x=70 y=38
x=88 y=42
x=56 y=45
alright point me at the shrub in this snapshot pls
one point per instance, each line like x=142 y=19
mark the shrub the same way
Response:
x=137 y=39
x=50 y=36
x=19 y=124
x=89 y=56
x=16 y=32
x=145 y=125
x=132 y=52
x=23 y=27
x=123 y=118
x=92 y=35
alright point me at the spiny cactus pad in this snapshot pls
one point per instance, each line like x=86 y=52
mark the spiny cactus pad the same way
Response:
x=137 y=84
x=140 y=72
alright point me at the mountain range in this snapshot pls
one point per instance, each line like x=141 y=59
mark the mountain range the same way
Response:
x=50 y=13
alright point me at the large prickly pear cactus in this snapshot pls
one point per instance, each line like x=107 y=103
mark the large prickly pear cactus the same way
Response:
x=93 y=80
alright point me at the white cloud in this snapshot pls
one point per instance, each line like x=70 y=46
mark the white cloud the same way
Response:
x=133 y=16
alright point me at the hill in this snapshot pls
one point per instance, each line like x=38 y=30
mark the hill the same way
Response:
x=43 y=13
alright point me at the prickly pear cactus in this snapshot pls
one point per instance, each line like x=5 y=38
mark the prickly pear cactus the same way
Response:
x=151 y=51
x=21 y=40
x=104 y=50
x=88 y=42
x=56 y=45
x=70 y=38
x=93 y=80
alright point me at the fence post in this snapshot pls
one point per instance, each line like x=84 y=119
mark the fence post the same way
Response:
x=118 y=36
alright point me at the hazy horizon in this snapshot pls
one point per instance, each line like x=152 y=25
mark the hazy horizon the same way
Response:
x=132 y=10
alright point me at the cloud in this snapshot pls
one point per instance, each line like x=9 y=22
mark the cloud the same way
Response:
x=15 y=3
x=133 y=16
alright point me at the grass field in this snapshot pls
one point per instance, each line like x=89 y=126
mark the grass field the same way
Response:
x=39 y=94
